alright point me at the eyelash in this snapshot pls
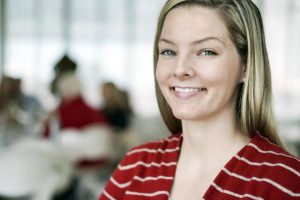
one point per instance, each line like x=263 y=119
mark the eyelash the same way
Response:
x=206 y=52
x=167 y=52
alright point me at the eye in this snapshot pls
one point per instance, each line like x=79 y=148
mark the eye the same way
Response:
x=167 y=52
x=208 y=52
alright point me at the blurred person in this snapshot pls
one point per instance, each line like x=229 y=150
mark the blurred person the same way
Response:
x=28 y=103
x=64 y=65
x=116 y=106
x=213 y=86
x=7 y=98
x=82 y=132
x=75 y=116
x=117 y=110
x=21 y=115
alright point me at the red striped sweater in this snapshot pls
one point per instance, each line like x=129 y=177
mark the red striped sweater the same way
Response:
x=260 y=170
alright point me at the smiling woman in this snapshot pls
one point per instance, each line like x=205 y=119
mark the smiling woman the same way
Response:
x=213 y=85
x=200 y=77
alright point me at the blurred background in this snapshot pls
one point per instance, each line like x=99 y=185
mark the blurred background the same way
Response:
x=69 y=67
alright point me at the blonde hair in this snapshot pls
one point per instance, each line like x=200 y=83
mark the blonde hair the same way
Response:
x=254 y=102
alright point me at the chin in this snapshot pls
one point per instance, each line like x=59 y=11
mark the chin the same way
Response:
x=184 y=114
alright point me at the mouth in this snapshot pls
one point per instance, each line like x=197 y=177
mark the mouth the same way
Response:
x=188 y=89
x=187 y=92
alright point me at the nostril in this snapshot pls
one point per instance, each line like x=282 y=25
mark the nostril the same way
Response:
x=184 y=72
x=184 y=75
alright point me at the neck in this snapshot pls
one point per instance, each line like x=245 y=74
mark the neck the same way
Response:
x=211 y=140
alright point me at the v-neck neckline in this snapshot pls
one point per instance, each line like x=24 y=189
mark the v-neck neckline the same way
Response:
x=218 y=176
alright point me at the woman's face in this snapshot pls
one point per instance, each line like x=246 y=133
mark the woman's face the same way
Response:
x=198 y=68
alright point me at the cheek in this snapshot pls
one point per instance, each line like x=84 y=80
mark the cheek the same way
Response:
x=212 y=76
x=221 y=78
x=222 y=73
x=162 y=73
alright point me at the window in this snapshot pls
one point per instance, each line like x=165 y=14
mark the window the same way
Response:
x=113 y=39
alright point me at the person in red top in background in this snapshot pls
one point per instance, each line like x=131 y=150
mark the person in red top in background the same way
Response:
x=213 y=86
x=74 y=113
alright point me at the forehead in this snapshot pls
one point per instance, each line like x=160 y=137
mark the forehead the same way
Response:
x=194 y=22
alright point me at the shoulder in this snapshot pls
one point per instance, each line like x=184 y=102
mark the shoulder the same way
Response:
x=153 y=161
x=270 y=166
x=161 y=146
x=262 y=150
x=162 y=150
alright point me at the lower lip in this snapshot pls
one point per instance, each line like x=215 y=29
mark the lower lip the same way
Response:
x=187 y=95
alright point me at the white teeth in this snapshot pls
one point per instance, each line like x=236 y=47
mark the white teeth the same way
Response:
x=187 y=89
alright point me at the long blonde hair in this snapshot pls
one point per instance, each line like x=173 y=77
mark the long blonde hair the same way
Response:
x=254 y=101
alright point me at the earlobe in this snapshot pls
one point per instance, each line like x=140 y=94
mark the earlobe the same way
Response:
x=242 y=80
x=243 y=75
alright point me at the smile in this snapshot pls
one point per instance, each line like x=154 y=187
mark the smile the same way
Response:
x=187 y=92
x=178 y=89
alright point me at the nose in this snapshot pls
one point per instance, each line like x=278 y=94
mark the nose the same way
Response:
x=184 y=68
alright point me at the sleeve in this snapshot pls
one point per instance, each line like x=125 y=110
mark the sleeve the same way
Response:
x=118 y=183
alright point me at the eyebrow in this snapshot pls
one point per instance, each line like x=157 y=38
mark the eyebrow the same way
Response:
x=194 y=42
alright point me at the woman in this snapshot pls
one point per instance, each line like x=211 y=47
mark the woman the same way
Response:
x=116 y=107
x=213 y=85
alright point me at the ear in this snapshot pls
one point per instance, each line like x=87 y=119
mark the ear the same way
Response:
x=243 y=74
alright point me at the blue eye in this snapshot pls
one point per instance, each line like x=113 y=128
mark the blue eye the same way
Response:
x=167 y=52
x=208 y=53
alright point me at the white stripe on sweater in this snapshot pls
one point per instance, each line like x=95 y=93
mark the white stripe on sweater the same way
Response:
x=268 y=164
x=170 y=139
x=108 y=196
x=272 y=152
x=127 y=167
x=235 y=194
x=278 y=186
x=148 y=194
x=266 y=139
x=152 y=178
x=120 y=185
x=147 y=178
x=152 y=150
